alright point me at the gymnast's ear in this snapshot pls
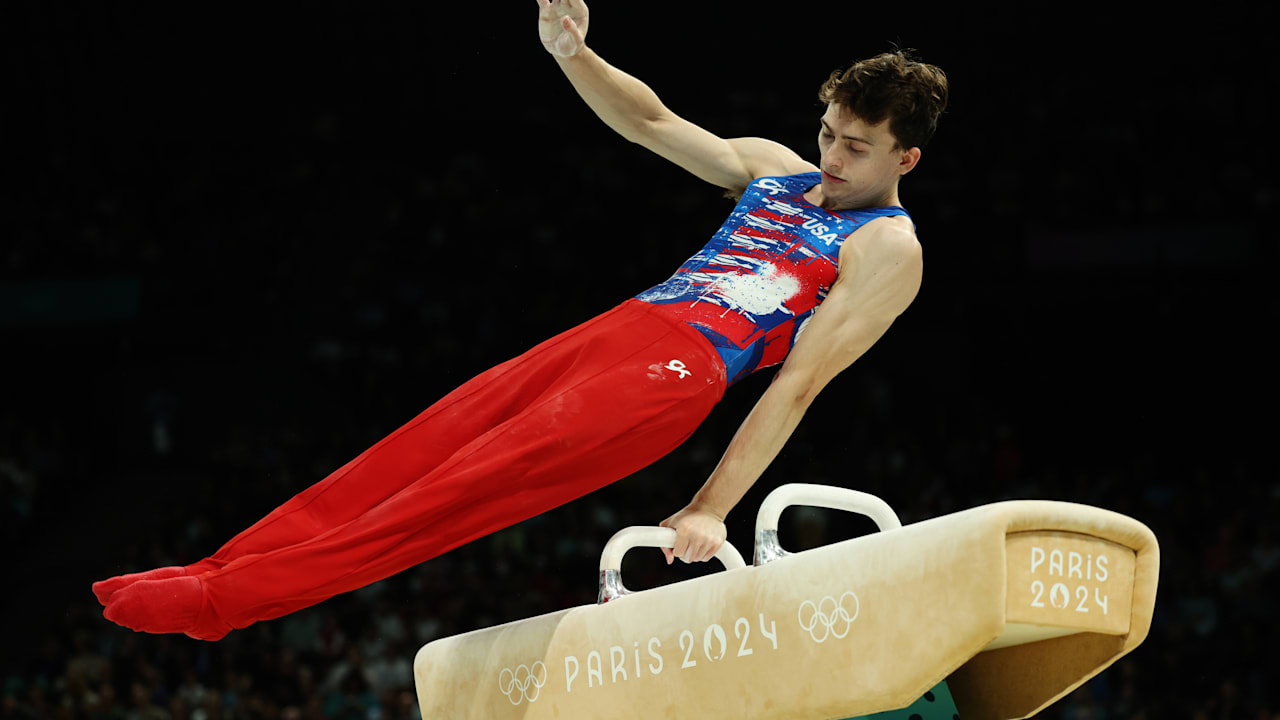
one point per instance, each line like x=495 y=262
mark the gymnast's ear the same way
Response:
x=908 y=159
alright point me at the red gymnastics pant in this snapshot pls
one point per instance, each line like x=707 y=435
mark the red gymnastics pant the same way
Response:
x=577 y=412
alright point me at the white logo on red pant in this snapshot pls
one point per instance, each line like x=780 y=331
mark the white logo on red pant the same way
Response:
x=678 y=367
x=655 y=370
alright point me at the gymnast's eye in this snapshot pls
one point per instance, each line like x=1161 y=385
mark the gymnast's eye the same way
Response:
x=826 y=135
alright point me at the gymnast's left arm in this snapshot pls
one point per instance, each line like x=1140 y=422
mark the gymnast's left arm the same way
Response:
x=880 y=274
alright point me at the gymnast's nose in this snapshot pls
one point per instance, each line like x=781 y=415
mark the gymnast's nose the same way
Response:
x=831 y=162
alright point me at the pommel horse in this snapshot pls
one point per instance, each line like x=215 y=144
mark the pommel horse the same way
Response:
x=989 y=613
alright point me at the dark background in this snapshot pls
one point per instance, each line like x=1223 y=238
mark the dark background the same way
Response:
x=241 y=244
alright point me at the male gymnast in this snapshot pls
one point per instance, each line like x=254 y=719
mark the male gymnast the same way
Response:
x=616 y=393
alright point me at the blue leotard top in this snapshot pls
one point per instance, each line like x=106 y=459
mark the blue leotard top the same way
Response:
x=764 y=272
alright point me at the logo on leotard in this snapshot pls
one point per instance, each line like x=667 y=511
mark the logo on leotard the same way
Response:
x=772 y=186
x=678 y=367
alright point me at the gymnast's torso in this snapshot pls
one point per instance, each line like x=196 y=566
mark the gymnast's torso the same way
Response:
x=751 y=289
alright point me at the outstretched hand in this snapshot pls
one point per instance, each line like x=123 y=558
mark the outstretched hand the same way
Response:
x=562 y=25
x=699 y=535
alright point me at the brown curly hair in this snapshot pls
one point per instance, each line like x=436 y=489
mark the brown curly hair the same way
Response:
x=893 y=85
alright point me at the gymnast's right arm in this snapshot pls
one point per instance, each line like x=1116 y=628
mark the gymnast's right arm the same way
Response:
x=633 y=110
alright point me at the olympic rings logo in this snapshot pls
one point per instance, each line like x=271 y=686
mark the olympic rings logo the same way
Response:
x=515 y=685
x=833 y=622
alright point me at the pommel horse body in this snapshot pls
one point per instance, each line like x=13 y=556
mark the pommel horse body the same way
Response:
x=989 y=613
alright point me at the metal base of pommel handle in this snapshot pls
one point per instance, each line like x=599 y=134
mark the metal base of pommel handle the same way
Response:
x=768 y=548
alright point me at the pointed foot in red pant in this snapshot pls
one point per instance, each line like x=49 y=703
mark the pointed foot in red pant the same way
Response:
x=104 y=589
x=157 y=606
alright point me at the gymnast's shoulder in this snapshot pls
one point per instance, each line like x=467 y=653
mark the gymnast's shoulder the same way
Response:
x=881 y=268
x=767 y=158
x=883 y=240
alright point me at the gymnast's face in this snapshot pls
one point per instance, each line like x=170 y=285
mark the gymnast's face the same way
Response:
x=861 y=163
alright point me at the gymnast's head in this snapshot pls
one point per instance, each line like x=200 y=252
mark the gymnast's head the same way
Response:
x=880 y=114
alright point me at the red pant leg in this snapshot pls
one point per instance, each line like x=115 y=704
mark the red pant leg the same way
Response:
x=621 y=403
x=407 y=454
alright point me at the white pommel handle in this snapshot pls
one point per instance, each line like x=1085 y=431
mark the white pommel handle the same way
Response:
x=836 y=498
x=611 y=587
x=659 y=537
